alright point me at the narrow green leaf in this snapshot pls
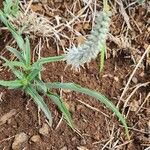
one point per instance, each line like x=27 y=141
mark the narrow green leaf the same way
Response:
x=34 y=73
x=102 y=57
x=27 y=52
x=15 y=64
x=40 y=85
x=15 y=34
x=12 y=84
x=49 y=59
x=105 y=5
x=16 y=72
x=16 y=53
x=11 y=66
x=39 y=101
x=12 y=63
x=97 y=95
x=11 y=7
x=56 y=99
x=3 y=58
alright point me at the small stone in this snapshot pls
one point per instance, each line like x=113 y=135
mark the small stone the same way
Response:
x=135 y=80
x=66 y=91
x=73 y=139
x=140 y=24
x=142 y=74
x=44 y=130
x=19 y=141
x=79 y=107
x=64 y=148
x=82 y=148
x=7 y=116
x=36 y=139
x=116 y=79
x=134 y=105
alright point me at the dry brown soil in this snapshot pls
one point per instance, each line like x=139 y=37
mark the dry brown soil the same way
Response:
x=95 y=128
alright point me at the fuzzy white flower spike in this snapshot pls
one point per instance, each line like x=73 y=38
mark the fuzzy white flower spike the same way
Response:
x=78 y=56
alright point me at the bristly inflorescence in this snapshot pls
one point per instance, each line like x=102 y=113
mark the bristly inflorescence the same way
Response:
x=78 y=56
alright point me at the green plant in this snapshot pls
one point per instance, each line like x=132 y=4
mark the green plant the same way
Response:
x=140 y=1
x=28 y=79
x=103 y=48
x=95 y=42
x=11 y=7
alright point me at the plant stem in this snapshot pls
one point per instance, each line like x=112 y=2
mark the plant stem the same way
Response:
x=105 y=5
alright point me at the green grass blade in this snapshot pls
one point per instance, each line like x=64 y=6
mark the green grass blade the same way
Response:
x=34 y=73
x=17 y=73
x=40 y=85
x=97 y=95
x=16 y=53
x=27 y=52
x=15 y=64
x=12 y=63
x=56 y=99
x=102 y=57
x=15 y=34
x=49 y=59
x=3 y=58
x=40 y=102
x=11 y=66
x=11 y=7
x=11 y=84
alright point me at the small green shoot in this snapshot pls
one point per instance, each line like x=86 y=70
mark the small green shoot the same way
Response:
x=11 y=7
x=102 y=58
x=28 y=79
x=103 y=49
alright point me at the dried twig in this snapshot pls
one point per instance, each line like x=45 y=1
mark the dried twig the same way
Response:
x=131 y=76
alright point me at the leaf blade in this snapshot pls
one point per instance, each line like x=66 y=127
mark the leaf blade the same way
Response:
x=16 y=53
x=11 y=28
x=12 y=84
x=57 y=100
x=98 y=96
x=40 y=102
x=27 y=52
x=49 y=59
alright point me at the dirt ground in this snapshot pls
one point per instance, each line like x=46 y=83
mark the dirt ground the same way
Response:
x=98 y=128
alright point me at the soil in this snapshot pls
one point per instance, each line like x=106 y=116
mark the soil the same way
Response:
x=96 y=128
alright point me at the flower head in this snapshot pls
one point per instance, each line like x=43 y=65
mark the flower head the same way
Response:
x=78 y=56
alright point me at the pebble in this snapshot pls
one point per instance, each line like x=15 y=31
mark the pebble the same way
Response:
x=19 y=141
x=135 y=80
x=36 y=139
x=44 y=130
x=7 y=116
x=82 y=148
x=134 y=105
x=64 y=148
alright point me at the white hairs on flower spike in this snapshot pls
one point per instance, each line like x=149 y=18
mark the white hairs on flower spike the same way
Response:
x=78 y=56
